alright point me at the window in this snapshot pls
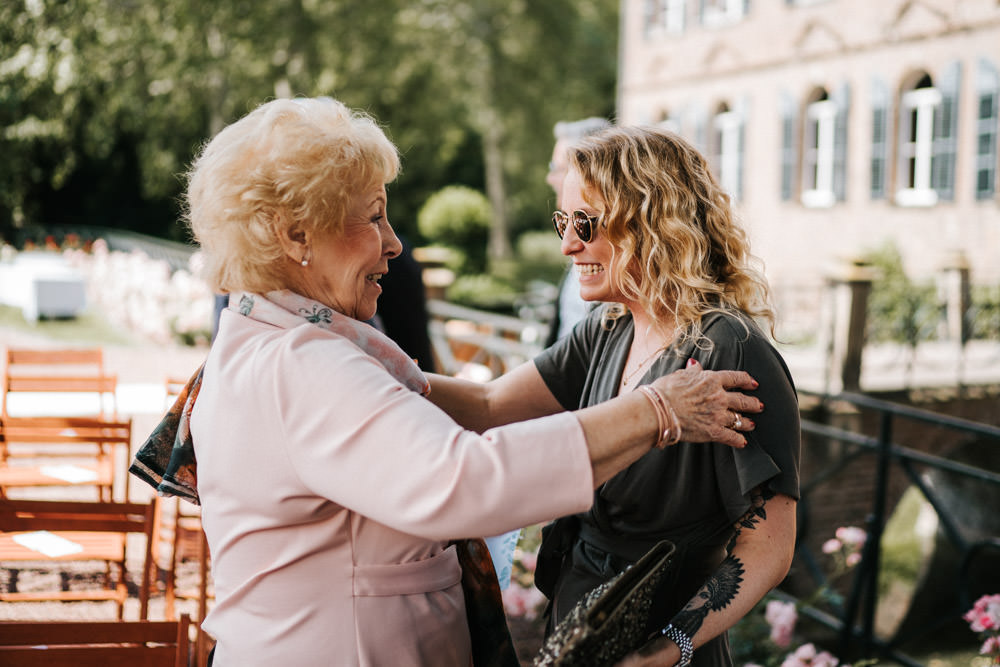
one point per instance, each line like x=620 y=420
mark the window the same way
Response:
x=727 y=149
x=987 y=118
x=928 y=140
x=916 y=136
x=723 y=12
x=880 y=138
x=817 y=153
x=665 y=16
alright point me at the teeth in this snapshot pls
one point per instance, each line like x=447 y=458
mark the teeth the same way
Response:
x=589 y=269
x=374 y=276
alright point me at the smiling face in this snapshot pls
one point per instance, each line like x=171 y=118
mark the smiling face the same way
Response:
x=344 y=268
x=592 y=261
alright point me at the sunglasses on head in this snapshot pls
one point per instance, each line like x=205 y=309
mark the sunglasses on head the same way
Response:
x=583 y=224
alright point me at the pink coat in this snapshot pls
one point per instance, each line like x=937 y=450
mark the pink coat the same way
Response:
x=329 y=493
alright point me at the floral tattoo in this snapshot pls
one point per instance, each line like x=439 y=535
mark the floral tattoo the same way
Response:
x=724 y=585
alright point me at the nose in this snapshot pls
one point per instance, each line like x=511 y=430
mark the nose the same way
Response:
x=571 y=243
x=391 y=244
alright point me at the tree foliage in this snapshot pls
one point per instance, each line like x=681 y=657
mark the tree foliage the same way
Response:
x=103 y=103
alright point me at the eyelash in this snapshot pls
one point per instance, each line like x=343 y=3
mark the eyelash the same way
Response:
x=377 y=219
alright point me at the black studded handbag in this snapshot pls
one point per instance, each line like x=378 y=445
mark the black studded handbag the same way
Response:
x=611 y=620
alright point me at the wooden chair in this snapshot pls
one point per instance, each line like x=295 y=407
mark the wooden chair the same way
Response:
x=63 y=451
x=54 y=532
x=187 y=543
x=95 y=643
x=72 y=370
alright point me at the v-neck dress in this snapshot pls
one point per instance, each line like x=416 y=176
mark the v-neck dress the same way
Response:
x=691 y=494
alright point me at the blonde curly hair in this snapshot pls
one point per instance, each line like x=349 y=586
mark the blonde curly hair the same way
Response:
x=286 y=162
x=679 y=251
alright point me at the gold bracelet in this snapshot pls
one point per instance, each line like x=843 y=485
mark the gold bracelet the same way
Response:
x=662 y=426
x=668 y=423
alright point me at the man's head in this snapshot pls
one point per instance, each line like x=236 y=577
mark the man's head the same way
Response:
x=567 y=133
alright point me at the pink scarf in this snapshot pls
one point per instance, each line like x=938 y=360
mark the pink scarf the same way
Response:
x=166 y=461
x=287 y=309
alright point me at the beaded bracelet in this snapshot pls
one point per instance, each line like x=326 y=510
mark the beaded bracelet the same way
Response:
x=667 y=424
x=683 y=642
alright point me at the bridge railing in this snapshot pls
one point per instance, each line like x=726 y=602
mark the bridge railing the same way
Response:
x=463 y=337
x=886 y=455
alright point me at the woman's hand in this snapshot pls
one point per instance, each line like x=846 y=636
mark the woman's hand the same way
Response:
x=706 y=408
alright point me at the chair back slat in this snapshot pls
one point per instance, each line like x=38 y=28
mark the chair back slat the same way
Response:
x=32 y=633
x=108 y=522
x=23 y=515
x=95 y=643
x=69 y=370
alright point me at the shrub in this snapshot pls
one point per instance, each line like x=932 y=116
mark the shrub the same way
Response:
x=540 y=258
x=483 y=291
x=899 y=309
x=458 y=217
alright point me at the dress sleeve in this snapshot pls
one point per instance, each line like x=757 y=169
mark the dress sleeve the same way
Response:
x=356 y=436
x=773 y=447
x=563 y=365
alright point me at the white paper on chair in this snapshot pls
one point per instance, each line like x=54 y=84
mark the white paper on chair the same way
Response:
x=70 y=473
x=47 y=543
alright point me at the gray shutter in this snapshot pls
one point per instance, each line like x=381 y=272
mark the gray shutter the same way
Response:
x=788 y=146
x=742 y=108
x=700 y=131
x=987 y=121
x=880 y=138
x=842 y=98
x=946 y=134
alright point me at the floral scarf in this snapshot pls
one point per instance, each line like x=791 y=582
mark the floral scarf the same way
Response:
x=166 y=461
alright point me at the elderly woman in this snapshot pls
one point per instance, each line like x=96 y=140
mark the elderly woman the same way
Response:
x=650 y=230
x=330 y=486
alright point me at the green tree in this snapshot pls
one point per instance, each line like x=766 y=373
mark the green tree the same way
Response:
x=104 y=102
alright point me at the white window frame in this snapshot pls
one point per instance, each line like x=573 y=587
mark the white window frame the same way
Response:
x=676 y=11
x=665 y=17
x=722 y=12
x=922 y=103
x=818 y=154
x=726 y=126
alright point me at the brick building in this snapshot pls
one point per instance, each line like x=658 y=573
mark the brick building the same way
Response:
x=837 y=125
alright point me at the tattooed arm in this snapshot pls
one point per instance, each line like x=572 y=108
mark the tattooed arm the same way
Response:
x=761 y=555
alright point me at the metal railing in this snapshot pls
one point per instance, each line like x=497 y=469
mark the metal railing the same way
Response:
x=855 y=620
x=461 y=335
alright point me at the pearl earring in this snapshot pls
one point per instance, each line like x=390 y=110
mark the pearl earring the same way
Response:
x=305 y=262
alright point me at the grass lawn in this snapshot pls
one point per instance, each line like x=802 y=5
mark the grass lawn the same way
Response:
x=90 y=328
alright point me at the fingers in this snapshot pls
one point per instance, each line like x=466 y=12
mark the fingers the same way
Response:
x=741 y=422
x=743 y=404
x=736 y=380
x=731 y=438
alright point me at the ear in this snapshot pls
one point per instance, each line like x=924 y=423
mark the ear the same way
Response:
x=293 y=238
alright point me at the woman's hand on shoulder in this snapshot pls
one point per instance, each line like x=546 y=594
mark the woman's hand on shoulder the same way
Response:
x=706 y=405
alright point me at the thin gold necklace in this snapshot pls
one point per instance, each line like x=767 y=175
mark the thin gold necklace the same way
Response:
x=628 y=376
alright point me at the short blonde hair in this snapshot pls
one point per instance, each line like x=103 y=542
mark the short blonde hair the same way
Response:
x=665 y=214
x=287 y=161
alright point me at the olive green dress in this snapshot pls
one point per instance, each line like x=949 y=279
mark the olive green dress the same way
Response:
x=691 y=494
